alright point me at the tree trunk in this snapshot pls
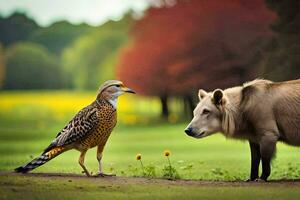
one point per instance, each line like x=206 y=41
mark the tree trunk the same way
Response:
x=189 y=106
x=164 y=106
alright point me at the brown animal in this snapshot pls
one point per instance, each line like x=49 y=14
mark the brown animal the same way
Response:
x=261 y=111
x=90 y=127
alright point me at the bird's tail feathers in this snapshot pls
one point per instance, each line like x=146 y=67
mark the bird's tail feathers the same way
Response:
x=42 y=159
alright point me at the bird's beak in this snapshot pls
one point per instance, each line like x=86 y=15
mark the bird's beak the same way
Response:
x=126 y=89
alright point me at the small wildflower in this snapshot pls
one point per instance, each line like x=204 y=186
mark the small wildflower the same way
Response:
x=167 y=153
x=139 y=156
x=170 y=170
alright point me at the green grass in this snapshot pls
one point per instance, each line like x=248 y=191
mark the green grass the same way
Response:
x=23 y=137
x=25 y=130
x=213 y=158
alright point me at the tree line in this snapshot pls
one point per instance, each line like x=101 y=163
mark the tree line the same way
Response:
x=60 y=56
x=211 y=44
x=171 y=51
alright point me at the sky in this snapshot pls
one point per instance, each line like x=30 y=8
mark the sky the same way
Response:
x=93 y=12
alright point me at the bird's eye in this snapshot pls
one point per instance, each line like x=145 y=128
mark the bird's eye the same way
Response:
x=117 y=85
x=205 y=112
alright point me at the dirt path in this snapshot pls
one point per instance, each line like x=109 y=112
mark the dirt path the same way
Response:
x=116 y=180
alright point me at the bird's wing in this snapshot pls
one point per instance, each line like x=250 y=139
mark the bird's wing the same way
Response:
x=79 y=127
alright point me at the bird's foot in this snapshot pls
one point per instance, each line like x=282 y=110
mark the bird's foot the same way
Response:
x=101 y=174
x=86 y=173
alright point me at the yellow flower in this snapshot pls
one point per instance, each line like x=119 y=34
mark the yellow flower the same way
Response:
x=167 y=153
x=139 y=156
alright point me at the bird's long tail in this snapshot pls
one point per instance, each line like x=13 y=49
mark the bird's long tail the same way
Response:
x=42 y=159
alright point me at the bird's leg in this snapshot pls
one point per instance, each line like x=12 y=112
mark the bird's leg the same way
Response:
x=99 y=158
x=81 y=163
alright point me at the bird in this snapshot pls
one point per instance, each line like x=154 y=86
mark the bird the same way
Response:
x=89 y=128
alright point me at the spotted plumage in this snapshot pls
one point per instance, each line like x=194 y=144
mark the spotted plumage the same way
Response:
x=90 y=127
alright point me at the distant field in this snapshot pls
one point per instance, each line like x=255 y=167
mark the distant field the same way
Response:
x=29 y=121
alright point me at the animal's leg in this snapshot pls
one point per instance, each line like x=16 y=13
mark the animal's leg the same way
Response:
x=81 y=162
x=99 y=158
x=255 y=160
x=267 y=150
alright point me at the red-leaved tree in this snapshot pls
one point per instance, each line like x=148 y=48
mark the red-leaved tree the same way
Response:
x=176 y=50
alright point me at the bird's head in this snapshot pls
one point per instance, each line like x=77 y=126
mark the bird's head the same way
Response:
x=112 y=89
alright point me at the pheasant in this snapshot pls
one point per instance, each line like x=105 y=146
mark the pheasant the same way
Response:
x=90 y=127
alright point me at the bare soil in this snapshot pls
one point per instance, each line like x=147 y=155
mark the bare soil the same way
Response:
x=118 y=180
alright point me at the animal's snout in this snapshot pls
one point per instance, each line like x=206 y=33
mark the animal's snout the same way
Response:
x=189 y=131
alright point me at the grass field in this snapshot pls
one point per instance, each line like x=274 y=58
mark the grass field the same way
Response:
x=29 y=121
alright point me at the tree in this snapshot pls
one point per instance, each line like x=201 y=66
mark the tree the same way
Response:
x=91 y=59
x=2 y=66
x=16 y=27
x=282 y=59
x=59 y=35
x=31 y=66
x=177 y=49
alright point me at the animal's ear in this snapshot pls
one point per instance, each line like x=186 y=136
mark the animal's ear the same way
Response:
x=218 y=97
x=202 y=94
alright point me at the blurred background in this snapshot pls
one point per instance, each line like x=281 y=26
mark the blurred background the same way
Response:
x=55 y=54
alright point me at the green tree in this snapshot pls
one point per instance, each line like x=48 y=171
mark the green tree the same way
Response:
x=31 y=66
x=282 y=59
x=92 y=58
x=59 y=35
x=16 y=27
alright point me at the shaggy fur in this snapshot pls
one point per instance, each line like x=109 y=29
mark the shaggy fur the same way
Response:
x=261 y=111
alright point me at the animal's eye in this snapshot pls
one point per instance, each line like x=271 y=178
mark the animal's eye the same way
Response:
x=205 y=112
x=117 y=85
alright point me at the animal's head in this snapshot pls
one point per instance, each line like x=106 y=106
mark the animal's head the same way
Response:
x=207 y=115
x=112 y=89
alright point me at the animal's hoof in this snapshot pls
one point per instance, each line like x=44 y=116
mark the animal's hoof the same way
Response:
x=250 y=179
x=104 y=175
x=260 y=180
